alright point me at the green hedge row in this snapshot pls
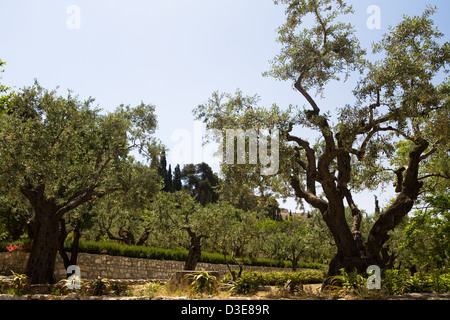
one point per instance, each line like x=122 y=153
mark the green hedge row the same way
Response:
x=116 y=249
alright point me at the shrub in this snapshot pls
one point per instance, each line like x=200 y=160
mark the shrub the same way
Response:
x=441 y=282
x=152 y=287
x=401 y=281
x=203 y=282
x=247 y=284
x=290 y=288
x=419 y=283
x=118 y=288
x=349 y=283
x=98 y=287
x=428 y=282
x=393 y=282
x=116 y=249
x=19 y=246
x=278 y=278
x=20 y=282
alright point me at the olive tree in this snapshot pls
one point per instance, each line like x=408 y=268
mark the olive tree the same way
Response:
x=235 y=233
x=395 y=99
x=178 y=215
x=289 y=239
x=60 y=153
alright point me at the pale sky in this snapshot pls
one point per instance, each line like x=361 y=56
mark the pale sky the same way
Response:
x=170 y=53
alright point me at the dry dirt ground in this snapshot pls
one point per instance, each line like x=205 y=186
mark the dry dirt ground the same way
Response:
x=141 y=292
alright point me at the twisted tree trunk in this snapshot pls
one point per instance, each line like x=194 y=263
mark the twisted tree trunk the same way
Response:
x=352 y=253
x=195 y=250
x=46 y=228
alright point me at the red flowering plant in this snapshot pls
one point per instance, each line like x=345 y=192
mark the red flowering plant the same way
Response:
x=13 y=248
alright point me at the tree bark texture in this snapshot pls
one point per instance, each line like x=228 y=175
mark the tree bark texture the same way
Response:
x=41 y=263
x=195 y=251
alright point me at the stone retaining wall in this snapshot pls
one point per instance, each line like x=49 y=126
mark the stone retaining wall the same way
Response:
x=115 y=267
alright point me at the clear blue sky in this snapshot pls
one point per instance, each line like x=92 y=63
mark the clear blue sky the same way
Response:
x=171 y=53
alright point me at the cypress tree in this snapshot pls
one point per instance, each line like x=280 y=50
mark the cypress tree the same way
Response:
x=176 y=183
x=169 y=184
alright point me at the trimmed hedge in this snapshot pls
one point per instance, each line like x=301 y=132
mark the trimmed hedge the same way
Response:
x=116 y=249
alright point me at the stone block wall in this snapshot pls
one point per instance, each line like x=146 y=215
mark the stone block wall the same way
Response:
x=115 y=267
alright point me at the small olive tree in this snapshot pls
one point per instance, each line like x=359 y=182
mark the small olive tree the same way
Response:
x=178 y=214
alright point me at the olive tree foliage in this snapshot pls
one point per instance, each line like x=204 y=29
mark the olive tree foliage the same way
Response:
x=426 y=244
x=123 y=217
x=60 y=153
x=119 y=217
x=15 y=216
x=3 y=88
x=235 y=234
x=287 y=240
x=181 y=218
x=296 y=239
x=397 y=98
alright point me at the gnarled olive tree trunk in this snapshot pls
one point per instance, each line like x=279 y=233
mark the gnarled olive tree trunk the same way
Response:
x=195 y=250
x=352 y=252
x=46 y=228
